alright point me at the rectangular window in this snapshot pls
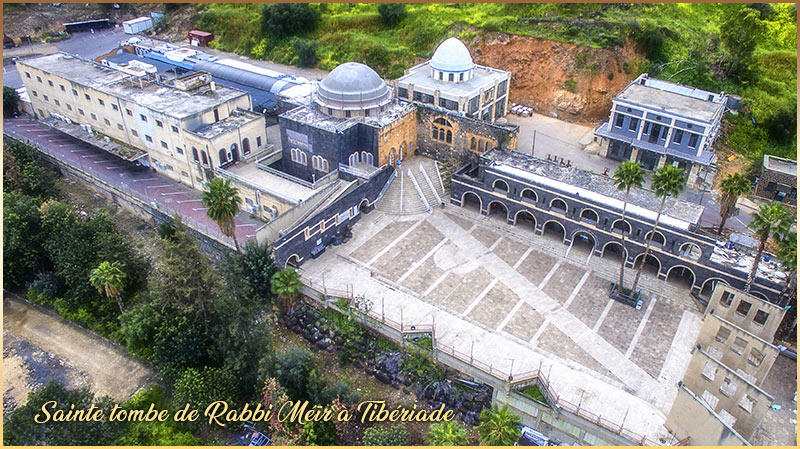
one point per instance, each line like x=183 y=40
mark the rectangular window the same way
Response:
x=179 y=150
x=58 y=103
x=174 y=129
x=114 y=107
x=87 y=97
x=34 y=93
x=709 y=371
x=142 y=117
x=646 y=127
x=159 y=124
x=120 y=127
x=129 y=112
x=102 y=103
x=45 y=98
x=761 y=317
x=39 y=79
x=69 y=107
x=756 y=357
x=80 y=111
x=743 y=308
x=258 y=141
x=693 y=141
x=770 y=186
x=63 y=89
x=164 y=145
x=620 y=120
x=738 y=345
x=677 y=137
x=633 y=124
x=27 y=74
x=728 y=387
x=94 y=117
x=74 y=92
x=451 y=77
x=727 y=298
x=105 y=120
x=664 y=132
x=148 y=138
x=747 y=403
x=722 y=335
x=184 y=174
x=134 y=132
x=50 y=83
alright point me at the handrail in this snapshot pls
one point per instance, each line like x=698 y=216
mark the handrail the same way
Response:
x=386 y=186
x=419 y=190
x=438 y=174
x=430 y=184
x=227 y=174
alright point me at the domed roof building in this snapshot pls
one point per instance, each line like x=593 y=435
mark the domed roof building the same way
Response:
x=452 y=81
x=352 y=90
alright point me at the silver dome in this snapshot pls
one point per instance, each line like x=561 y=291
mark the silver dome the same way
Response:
x=352 y=85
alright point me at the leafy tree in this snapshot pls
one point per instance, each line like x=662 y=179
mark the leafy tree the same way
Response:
x=628 y=174
x=199 y=388
x=167 y=433
x=109 y=278
x=782 y=125
x=652 y=42
x=185 y=282
x=24 y=171
x=392 y=13
x=771 y=220
x=258 y=267
x=306 y=52
x=20 y=429
x=138 y=327
x=739 y=35
x=319 y=433
x=178 y=345
x=10 y=101
x=293 y=368
x=286 y=284
x=667 y=181
x=23 y=254
x=222 y=200
x=499 y=427
x=732 y=186
x=288 y=19
x=395 y=435
x=449 y=433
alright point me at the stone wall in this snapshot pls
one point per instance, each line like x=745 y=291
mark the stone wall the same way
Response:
x=397 y=140
x=463 y=129
x=782 y=183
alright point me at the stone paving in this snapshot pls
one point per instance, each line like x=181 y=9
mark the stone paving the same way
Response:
x=483 y=284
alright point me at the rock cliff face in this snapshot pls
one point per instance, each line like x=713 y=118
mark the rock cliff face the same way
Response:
x=576 y=83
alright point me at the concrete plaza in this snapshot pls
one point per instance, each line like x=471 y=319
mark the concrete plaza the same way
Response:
x=516 y=299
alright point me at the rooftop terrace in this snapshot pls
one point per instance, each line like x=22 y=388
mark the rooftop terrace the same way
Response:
x=236 y=120
x=675 y=98
x=597 y=188
x=310 y=115
x=420 y=76
x=779 y=164
x=156 y=96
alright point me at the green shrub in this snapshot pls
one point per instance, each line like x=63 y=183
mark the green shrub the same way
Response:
x=395 y=435
x=306 y=52
x=392 y=13
x=288 y=19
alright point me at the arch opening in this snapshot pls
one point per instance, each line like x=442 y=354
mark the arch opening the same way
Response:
x=525 y=220
x=293 y=261
x=589 y=216
x=363 y=206
x=658 y=239
x=554 y=230
x=583 y=243
x=708 y=287
x=614 y=251
x=652 y=265
x=498 y=211
x=500 y=186
x=681 y=276
x=529 y=196
x=471 y=201
x=691 y=251
x=620 y=227
x=558 y=206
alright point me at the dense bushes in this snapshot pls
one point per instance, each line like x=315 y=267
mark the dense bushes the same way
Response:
x=288 y=19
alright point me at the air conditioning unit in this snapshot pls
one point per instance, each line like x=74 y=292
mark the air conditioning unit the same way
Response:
x=273 y=212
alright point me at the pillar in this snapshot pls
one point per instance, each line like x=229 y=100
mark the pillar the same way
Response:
x=662 y=161
x=634 y=154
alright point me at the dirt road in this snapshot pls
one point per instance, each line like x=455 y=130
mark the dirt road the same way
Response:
x=110 y=370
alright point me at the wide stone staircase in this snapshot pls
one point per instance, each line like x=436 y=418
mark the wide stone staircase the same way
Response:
x=416 y=187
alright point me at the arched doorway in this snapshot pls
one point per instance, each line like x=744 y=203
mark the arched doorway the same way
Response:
x=525 y=220
x=708 y=287
x=681 y=276
x=500 y=186
x=652 y=265
x=293 y=261
x=529 y=196
x=363 y=206
x=614 y=251
x=554 y=230
x=223 y=156
x=559 y=206
x=470 y=200
x=582 y=245
x=234 y=152
x=498 y=211
x=246 y=146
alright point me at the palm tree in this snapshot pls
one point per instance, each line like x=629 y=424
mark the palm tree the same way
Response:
x=628 y=174
x=499 y=427
x=109 y=278
x=286 y=284
x=732 y=186
x=448 y=433
x=667 y=181
x=770 y=220
x=223 y=200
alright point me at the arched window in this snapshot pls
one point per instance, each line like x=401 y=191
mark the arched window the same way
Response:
x=441 y=133
x=472 y=144
x=480 y=146
x=449 y=136
x=205 y=157
x=442 y=130
x=353 y=159
x=435 y=133
x=223 y=156
x=195 y=156
x=246 y=146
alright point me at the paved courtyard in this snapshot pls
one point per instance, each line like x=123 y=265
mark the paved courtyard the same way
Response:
x=523 y=300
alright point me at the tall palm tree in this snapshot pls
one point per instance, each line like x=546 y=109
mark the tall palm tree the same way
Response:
x=732 y=186
x=286 y=284
x=222 y=200
x=109 y=278
x=771 y=220
x=628 y=174
x=667 y=181
x=499 y=427
x=448 y=433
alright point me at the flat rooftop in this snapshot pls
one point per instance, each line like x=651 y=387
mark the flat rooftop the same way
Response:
x=420 y=77
x=158 y=97
x=597 y=188
x=659 y=96
x=779 y=164
x=310 y=115
x=269 y=182
x=236 y=120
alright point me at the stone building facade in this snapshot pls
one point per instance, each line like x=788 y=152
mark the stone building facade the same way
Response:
x=581 y=208
x=778 y=180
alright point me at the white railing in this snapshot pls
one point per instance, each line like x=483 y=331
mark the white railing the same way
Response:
x=386 y=186
x=227 y=174
x=430 y=184
x=419 y=190
x=438 y=175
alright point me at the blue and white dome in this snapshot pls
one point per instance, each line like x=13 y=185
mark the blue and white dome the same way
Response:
x=452 y=56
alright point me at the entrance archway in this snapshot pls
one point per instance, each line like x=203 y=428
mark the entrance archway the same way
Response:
x=525 y=220
x=681 y=276
x=293 y=261
x=470 y=200
x=363 y=206
x=498 y=211
x=652 y=265
x=582 y=245
x=708 y=287
x=554 y=230
x=614 y=251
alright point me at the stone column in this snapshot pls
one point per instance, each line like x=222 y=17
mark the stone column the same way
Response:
x=634 y=154
x=662 y=161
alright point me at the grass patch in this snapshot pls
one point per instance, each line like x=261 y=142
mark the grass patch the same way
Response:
x=533 y=392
